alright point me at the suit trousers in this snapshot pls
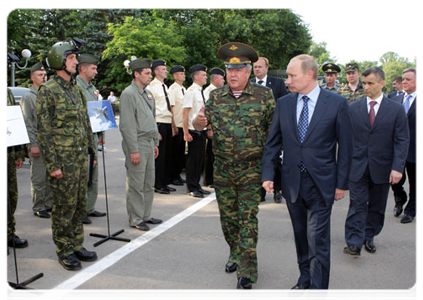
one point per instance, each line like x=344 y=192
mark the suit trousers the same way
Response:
x=195 y=160
x=163 y=161
x=366 y=213
x=177 y=155
x=310 y=218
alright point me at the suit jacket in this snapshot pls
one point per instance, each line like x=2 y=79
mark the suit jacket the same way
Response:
x=411 y=117
x=382 y=147
x=326 y=150
x=394 y=94
x=277 y=85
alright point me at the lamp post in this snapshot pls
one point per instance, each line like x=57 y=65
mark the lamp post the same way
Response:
x=15 y=62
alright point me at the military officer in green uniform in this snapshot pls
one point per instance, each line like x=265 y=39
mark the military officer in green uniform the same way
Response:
x=140 y=141
x=64 y=137
x=353 y=90
x=15 y=158
x=239 y=114
x=41 y=195
x=331 y=75
x=87 y=66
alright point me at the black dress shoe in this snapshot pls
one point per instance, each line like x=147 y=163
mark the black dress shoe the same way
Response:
x=244 y=283
x=297 y=291
x=352 y=250
x=170 y=189
x=300 y=287
x=397 y=210
x=42 y=214
x=277 y=197
x=204 y=192
x=19 y=243
x=369 y=246
x=177 y=182
x=85 y=255
x=162 y=191
x=231 y=267
x=154 y=221
x=196 y=194
x=406 y=219
x=70 y=263
x=97 y=214
x=86 y=220
x=142 y=226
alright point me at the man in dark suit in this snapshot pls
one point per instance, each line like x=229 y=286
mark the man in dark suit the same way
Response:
x=314 y=128
x=261 y=67
x=409 y=102
x=397 y=85
x=380 y=149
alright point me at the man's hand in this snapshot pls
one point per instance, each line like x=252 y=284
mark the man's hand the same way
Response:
x=268 y=186
x=18 y=163
x=395 y=177
x=156 y=152
x=135 y=158
x=57 y=174
x=35 y=151
x=339 y=194
x=187 y=137
x=200 y=121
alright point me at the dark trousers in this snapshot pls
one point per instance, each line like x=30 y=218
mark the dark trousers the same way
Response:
x=195 y=160
x=163 y=161
x=366 y=213
x=177 y=163
x=208 y=162
x=401 y=195
x=310 y=218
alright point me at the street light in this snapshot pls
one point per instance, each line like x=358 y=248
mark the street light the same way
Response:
x=14 y=61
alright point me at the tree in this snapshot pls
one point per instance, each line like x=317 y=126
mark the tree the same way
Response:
x=393 y=65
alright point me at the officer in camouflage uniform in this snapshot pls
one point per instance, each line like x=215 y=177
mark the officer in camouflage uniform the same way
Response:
x=15 y=158
x=331 y=70
x=41 y=195
x=65 y=136
x=87 y=70
x=239 y=115
x=353 y=90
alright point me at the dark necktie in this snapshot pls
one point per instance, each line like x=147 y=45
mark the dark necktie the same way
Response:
x=260 y=82
x=167 y=98
x=372 y=114
x=183 y=93
x=202 y=95
x=303 y=125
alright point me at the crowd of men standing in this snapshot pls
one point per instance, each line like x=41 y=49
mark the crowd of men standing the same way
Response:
x=300 y=141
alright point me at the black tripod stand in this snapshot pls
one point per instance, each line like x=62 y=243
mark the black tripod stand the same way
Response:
x=18 y=285
x=109 y=236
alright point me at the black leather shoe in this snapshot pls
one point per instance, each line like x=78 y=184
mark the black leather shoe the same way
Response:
x=85 y=255
x=177 y=182
x=352 y=250
x=300 y=287
x=170 y=189
x=70 y=263
x=142 y=226
x=244 y=283
x=406 y=219
x=369 y=246
x=196 y=194
x=231 y=267
x=19 y=243
x=42 y=214
x=204 y=192
x=86 y=220
x=297 y=291
x=162 y=191
x=97 y=214
x=154 y=221
x=397 y=210
x=277 y=197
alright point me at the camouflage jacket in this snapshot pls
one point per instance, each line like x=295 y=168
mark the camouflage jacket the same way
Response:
x=349 y=94
x=334 y=89
x=63 y=122
x=240 y=127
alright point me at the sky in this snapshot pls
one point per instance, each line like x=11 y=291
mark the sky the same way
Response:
x=364 y=30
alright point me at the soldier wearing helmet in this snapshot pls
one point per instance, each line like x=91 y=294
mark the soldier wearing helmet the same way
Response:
x=65 y=137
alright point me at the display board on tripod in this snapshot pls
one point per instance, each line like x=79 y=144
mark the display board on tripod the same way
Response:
x=101 y=115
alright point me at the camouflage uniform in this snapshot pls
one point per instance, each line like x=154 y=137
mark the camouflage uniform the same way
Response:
x=240 y=128
x=41 y=195
x=64 y=135
x=352 y=96
x=13 y=154
x=334 y=89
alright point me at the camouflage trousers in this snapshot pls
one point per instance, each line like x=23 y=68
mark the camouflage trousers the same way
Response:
x=69 y=202
x=12 y=193
x=238 y=207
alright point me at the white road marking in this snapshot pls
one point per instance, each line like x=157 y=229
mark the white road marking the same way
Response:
x=106 y=262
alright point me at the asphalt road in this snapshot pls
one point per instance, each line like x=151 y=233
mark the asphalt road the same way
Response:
x=184 y=257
